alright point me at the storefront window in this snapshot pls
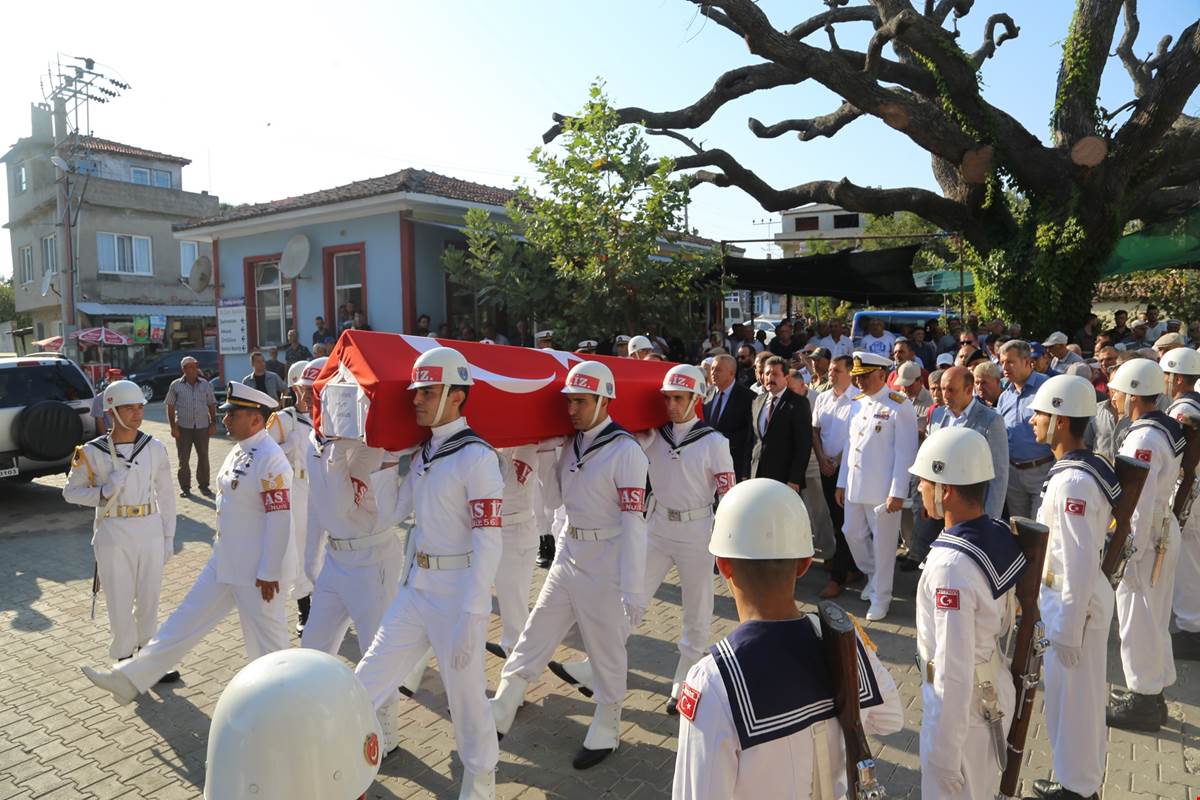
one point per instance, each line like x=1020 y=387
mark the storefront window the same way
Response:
x=274 y=300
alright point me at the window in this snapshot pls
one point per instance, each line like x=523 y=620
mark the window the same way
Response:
x=25 y=259
x=188 y=253
x=124 y=255
x=347 y=284
x=162 y=178
x=139 y=175
x=843 y=221
x=22 y=386
x=21 y=179
x=49 y=254
x=808 y=223
x=273 y=296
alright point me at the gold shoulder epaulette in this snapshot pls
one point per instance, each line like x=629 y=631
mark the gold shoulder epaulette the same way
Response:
x=898 y=397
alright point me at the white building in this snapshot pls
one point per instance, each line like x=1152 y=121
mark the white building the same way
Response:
x=818 y=221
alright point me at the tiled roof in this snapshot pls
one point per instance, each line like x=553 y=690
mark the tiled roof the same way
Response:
x=98 y=145
x=413 y=181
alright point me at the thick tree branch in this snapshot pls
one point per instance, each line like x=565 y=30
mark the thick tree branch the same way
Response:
x=1140 y=71
x=833 y=17
x=892 y=29
x=1085 y=52
x=960 y=8
x=720 y=18
x=1166 y=203
x=990 y=42
x=808 y=129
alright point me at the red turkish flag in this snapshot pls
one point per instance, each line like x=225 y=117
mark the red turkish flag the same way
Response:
x=516 y=398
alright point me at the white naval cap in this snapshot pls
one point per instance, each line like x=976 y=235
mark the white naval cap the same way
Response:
x=622 y=339
x=588 y=344
x=239 y=395
x=865 y=362
x=547 y=334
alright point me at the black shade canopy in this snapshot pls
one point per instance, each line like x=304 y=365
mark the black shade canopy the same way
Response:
x=871 y=277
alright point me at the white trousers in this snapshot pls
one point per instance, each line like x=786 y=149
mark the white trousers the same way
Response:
x=130 y=565
x=694 y=564
x=414 y=621
x=872 y=539
x=346 y=594
x=980 y=766
x=301 y=586
x=264 y=626
x=571 y=596
x=1143 y=617
x=513 y=579
x=1187 y=577
x=1075 y=700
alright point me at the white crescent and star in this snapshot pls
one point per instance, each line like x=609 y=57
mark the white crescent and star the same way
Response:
x=505 y=383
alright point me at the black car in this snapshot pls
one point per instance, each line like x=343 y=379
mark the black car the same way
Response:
x=156 y=373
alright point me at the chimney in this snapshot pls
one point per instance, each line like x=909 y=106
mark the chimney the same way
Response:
x=42 y=128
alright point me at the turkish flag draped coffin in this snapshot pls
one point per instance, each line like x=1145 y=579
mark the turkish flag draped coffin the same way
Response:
x=516 y=398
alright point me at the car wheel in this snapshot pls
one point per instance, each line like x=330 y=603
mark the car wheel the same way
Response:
x=48 y=430
x=147 y=391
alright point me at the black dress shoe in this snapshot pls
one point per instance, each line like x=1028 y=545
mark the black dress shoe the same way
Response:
x=1135 y=712
x=207 y=492
x=586 y=759
x=170 y=677
x=1053 y=790
x=407 y=692
x=495 y=650
x=558 y=670
x=672 y=707
x=1186 y=645
x=185 y=492
x=303 y=606
x=545 y=551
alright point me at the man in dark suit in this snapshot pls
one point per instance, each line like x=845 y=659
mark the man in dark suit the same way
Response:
x=781 y=421
x=729 y=412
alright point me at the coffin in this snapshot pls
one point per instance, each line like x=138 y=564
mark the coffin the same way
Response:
x=516 y=398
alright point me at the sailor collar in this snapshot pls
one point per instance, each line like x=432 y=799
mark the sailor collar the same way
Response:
x=139 y=443
x=695 y=434
x=610 y=433
x=1166 y=426
x=1095 y=466
x=462 y=436
x=1186 y=399
x=993 y=548
x=777 y=678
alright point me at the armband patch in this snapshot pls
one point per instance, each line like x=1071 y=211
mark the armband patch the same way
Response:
x=486 y=513
x=276 y=500
x=725 y=481
x=631 y=499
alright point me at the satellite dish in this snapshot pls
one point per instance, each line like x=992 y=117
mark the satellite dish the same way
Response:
x=201 y=274
x=295 y=256
x=60 y=163
x=46 y=278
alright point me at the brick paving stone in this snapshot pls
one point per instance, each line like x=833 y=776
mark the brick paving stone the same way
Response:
x=62 y=737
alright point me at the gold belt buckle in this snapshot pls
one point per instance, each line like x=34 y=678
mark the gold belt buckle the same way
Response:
x=423 y=560
x=929 y=670
x=135 y=511
x=673 y=515
x=303 y=473
x=1048 y=578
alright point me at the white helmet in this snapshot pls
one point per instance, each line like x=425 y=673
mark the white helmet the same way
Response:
x=1067 y=396
x=123 y=393
x=761 y=519
x=955 y=457
x=1140 y=377
x=296 y=372
x=301 y=702
x=684 y=378
x=591 y=377
x=1180 y=361
x=639 y=343
x=311 y=370
x=441 y=366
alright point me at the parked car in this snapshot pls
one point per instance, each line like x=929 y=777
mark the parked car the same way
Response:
x=895 y=319
x=155 y=374
x=45 y=411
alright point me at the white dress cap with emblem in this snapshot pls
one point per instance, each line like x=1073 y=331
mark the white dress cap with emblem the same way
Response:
x=761 y=519
x=239 y=395
x=547 y=334
x=1140 y=377
x=587 y=344
x=1181 y=361
x=1067 y=396
x=684 y=378
x=622 y=339
x=296 y=372
x=441 y=366
x=638 y=343
x=865 y=362
x=955 y=457
x=591 y=377
x=312 y=370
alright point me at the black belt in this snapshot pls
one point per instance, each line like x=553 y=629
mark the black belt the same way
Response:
x=1037 y=462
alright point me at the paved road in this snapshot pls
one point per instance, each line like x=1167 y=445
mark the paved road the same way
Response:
x=60 y=737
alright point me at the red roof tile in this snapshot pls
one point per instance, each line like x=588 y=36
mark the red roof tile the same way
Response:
x=98 y=145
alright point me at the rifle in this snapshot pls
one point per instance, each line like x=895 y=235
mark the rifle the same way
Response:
x=1131 y=474
x=95 y=585
x=1191 y=458
x=841 y=651
x=1031 y=643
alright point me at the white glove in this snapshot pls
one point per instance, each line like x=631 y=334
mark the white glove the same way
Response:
x=168 y=549
x=635 y=608
x=951 y=780
x=116 y=480
x=1068 y=656
x=466 y=638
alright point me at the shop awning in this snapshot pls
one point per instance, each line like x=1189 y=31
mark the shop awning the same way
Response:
x=143 y=310
x=874 y=276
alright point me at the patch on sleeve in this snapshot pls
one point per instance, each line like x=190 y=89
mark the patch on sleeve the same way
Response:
x=1076 y=507
x=631 y=498
x=725 y=481
x=276 y=500
x=522 y=470
x=486 y=513
x=689 y=699
x=946 y=599
x=1142 y=455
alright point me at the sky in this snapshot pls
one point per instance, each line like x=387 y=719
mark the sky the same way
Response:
x=271 y=100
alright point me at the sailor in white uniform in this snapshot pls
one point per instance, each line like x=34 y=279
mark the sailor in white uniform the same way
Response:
x=515 y=575
x=1145 y=592
x=1182 y=368
x=455 y=489
x=757 y=718
x=290 y=428
x=963 y=608
x=1075 y=599
x=252 y=560
x=126 y=476
x=597 y=579
x=873 y=480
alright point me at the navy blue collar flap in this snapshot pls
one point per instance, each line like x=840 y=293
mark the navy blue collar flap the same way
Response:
x=452 y=445
x=1167 y=426
x=140 y=440
x=698 y=432
x=1094 y=465
x=612 y=431
x=990 y=544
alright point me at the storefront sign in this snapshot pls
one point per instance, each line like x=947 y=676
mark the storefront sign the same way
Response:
x=141 y=330
x=231 y=325
x=158 y=328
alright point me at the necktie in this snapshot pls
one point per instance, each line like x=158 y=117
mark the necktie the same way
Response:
x=770 y=413
x=718 y=407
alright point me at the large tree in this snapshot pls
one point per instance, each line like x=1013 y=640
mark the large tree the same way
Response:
x=1039 y=258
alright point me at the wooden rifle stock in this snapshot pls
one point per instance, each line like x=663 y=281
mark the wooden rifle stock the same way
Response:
x=841 y=651
x=1030 y=644
x=1191 y=457
x=1131 y=474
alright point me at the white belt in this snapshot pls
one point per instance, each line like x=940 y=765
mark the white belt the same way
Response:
x=516 y=518
x=703 y=512
x=143 y=510
x=592 y=534
x=361 y=543
x=426 y=561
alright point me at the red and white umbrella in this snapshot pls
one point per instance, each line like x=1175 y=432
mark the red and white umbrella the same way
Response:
x=51 y=344
x=101 y=336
